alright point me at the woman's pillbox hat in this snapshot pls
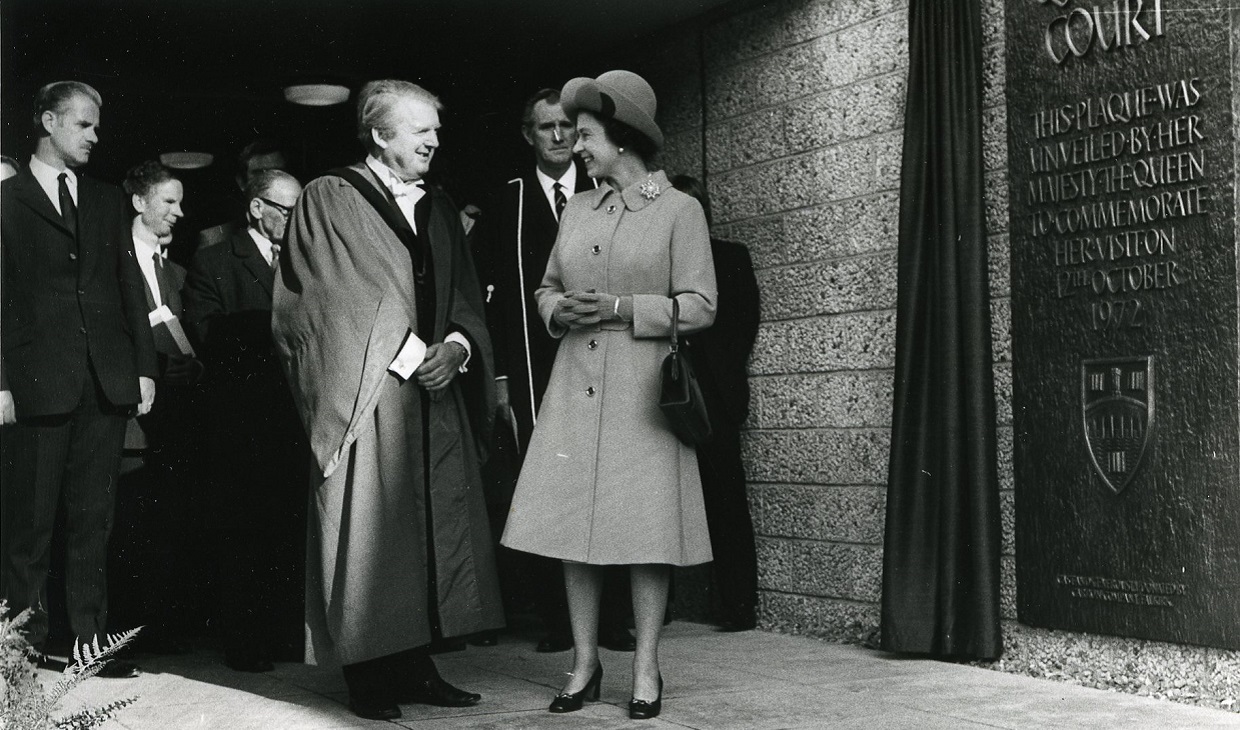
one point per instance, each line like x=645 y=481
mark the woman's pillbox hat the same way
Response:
x=620 y=95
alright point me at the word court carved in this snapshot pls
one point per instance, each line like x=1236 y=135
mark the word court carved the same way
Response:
x=1123 y=24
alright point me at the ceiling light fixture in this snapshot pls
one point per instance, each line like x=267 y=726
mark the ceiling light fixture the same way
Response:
x=316 y=94
x=186 y=160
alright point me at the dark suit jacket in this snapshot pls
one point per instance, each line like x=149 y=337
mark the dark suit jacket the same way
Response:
x=67 y=302
x=258 y=448
x=721 y=353
x=520 y=334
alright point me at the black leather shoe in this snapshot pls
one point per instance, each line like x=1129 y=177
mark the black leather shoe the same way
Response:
x=374 y=710
x=435 y=691
x=119 y=669
x=617 y=639
x=645 y=710
x=554 y=642
x=566 y=702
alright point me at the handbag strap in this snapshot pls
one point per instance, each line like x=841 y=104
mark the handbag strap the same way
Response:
x=675 y=324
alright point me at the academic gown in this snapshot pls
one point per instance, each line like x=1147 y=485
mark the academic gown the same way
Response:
x=343 y=304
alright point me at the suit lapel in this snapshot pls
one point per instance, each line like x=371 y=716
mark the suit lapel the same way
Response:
x=29 y=193
x=245 y=249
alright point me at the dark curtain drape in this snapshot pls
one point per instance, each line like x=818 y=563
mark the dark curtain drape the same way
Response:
x=941 y=552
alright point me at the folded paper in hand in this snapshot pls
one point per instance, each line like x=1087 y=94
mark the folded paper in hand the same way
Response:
x=163 y=318
x=411 y=355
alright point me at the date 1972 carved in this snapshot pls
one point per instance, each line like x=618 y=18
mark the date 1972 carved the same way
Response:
x=1110 y=178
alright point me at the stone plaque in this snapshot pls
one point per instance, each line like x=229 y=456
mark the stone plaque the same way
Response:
x=1122 y=149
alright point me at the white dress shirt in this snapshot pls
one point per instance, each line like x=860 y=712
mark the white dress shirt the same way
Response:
x=48 y=178
x=407 y=195
x=146 y=253
x=567 y=181
x=263 y=243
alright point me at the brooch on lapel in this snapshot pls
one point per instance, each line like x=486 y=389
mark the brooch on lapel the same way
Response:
x=649 y=189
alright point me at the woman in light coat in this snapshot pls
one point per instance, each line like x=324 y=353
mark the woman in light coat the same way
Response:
x=606 y=482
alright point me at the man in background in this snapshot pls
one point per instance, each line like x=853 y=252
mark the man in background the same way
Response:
x=149 y=548
x=76 y=358
x=255 y=498
x=721 y=358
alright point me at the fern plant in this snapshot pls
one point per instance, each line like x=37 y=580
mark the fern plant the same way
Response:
x=24 y=705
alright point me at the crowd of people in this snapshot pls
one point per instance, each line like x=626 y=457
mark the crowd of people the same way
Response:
x=362 y=407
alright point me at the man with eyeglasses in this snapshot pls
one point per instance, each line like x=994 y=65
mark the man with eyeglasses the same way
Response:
x=257 y=449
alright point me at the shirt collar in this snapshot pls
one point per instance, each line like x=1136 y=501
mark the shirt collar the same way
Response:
x=264 y=244
x=567 y=181
x=48 y=176
x=145 y=250
x=392 y=180
x=638 y=195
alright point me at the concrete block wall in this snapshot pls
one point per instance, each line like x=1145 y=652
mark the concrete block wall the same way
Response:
x=793 y=112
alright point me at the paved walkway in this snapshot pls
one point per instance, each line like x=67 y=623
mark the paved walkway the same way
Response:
x=750 y=681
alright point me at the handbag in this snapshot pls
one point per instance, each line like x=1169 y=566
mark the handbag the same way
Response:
x=680 y=397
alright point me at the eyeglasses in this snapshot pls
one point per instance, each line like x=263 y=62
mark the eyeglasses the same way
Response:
x=285 y=210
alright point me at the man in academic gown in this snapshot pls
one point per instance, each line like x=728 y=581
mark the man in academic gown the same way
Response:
x=378 y=322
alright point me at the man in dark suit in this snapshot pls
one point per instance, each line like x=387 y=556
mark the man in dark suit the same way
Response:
x=76 y=357
x=518 y=235
x=258 y=452
x=721 y=357
x=149 y=545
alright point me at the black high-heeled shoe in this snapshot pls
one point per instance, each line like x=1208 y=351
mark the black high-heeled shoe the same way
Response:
x=566 y=702
x=644 y=709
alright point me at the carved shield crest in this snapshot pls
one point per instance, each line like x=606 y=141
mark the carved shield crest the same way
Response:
x=1117 y=404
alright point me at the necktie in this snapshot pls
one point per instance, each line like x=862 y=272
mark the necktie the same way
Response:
x=560 y=200
x=68 y=210
x=161 y=280
x=275 y=255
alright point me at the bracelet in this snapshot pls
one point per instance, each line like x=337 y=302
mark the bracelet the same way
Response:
x=615 y=310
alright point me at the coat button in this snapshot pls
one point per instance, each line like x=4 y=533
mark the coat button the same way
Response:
x=73 y=257
x=593 y=345
x=611 y=209
x=81 y=292
x=596 y=250
x=590 y=391
x=82 y=330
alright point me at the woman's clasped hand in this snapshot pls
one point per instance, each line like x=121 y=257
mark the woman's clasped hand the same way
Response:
x=585 y=308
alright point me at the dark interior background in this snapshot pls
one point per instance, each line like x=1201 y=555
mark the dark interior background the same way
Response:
x=207 y=75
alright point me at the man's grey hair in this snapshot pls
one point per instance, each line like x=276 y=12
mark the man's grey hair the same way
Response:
x=263 y=181
x=376 y=106
x=55 y=98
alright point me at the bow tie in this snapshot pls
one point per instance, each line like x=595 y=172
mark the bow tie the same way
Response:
x=412 y=189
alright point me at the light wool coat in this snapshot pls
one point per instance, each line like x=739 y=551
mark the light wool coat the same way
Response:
x=605 y=480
